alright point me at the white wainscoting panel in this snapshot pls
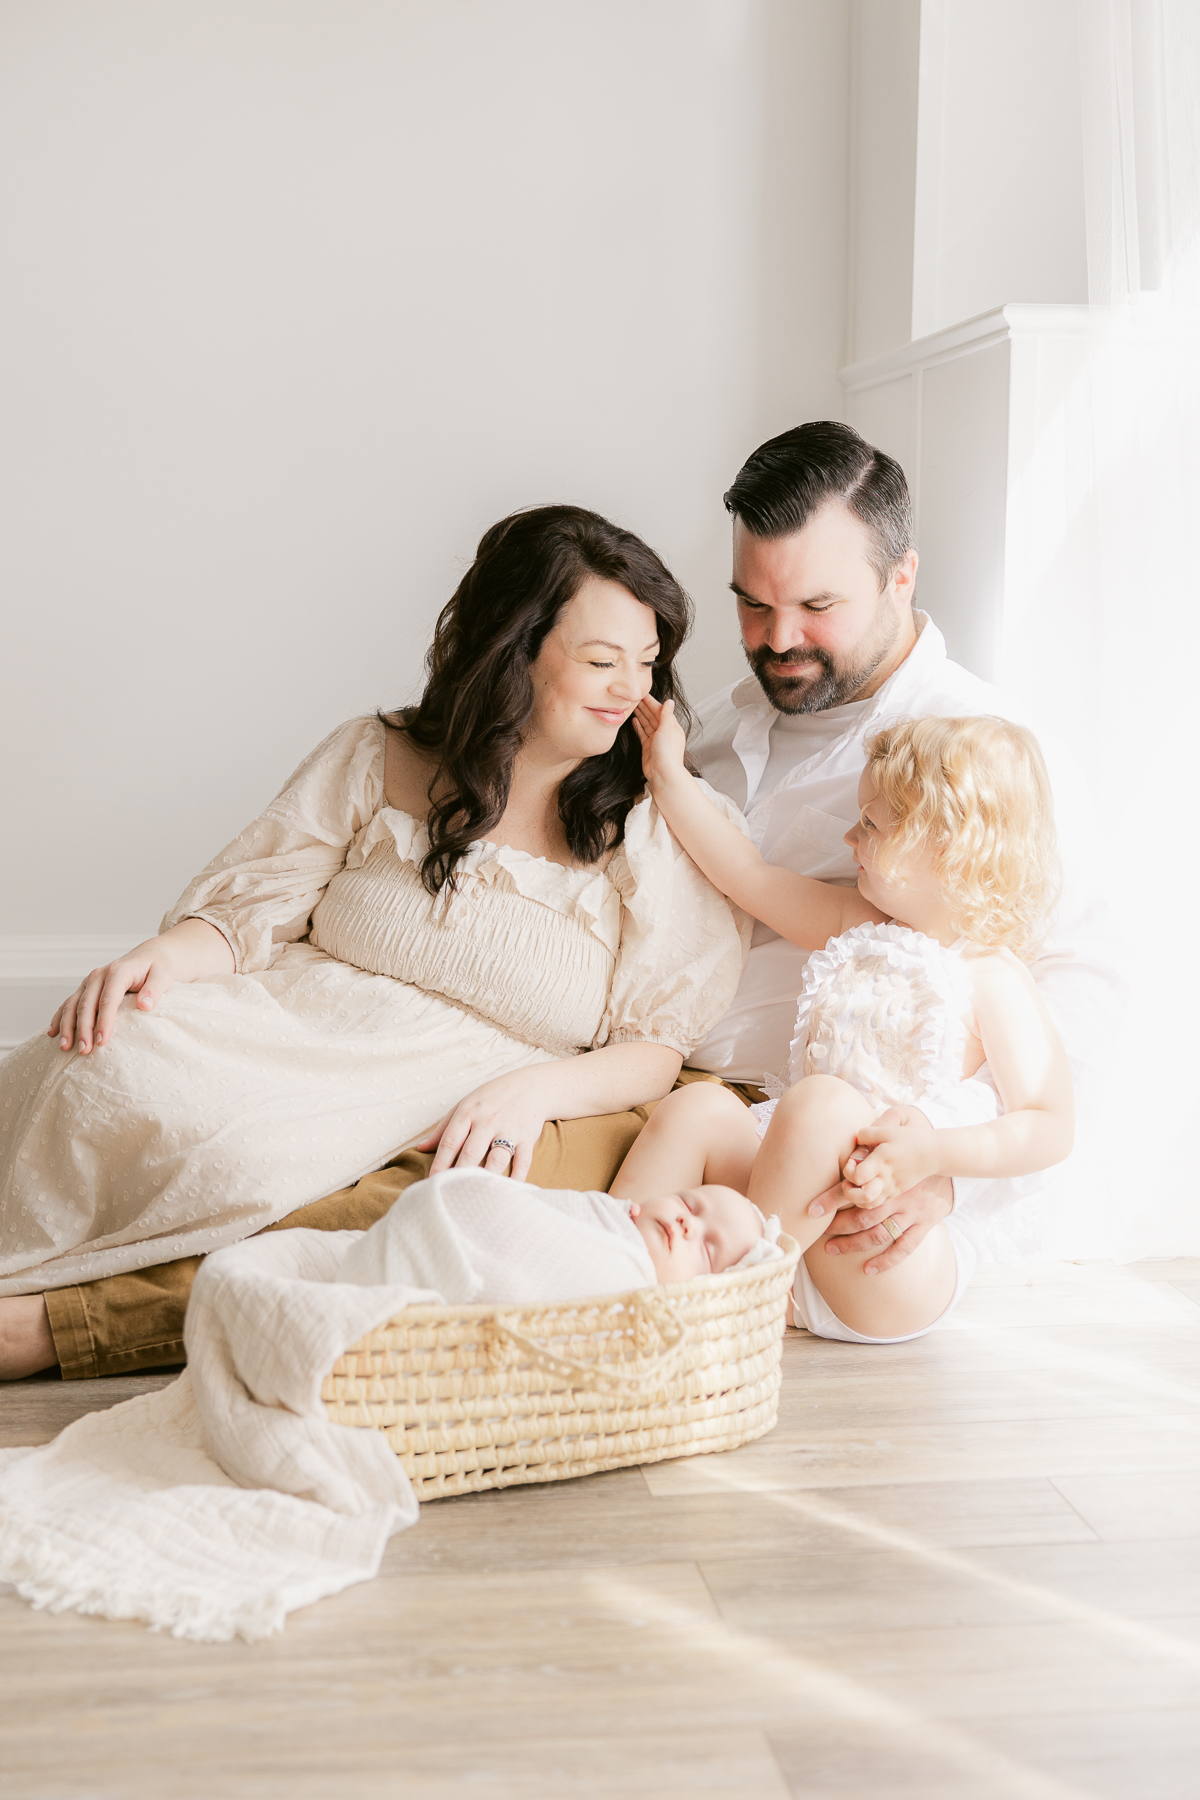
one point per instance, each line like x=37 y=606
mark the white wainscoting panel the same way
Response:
x=963 y=464
x=981 y=417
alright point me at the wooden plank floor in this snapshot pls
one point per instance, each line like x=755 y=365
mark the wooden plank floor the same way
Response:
x=961 y=1569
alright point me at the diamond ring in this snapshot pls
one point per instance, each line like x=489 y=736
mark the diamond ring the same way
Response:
x=503 y=1144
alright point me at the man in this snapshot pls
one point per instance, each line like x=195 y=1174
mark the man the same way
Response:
x=824 y=570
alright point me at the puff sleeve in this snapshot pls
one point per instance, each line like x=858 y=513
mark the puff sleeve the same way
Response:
x=261 y=889
x=683 y=944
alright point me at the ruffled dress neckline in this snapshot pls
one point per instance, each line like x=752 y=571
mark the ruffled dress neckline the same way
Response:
x=940 y=967
x=591 y=896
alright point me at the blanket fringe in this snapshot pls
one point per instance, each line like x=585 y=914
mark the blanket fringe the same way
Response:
x=54 y=1579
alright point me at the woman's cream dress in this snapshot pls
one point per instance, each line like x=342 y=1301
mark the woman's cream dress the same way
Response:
x=362 y=1010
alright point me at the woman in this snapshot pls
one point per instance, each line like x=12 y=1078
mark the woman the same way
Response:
x=439 y=911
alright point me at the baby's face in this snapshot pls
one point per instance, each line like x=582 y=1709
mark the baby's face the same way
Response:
x=697 y=1232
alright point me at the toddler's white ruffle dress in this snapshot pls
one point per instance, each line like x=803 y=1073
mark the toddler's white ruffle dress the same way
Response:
x=361 y=1011
x=886 y=1009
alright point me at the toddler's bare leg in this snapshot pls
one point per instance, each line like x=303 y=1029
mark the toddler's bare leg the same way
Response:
x=893 y=1302
x=811 y=1134
x=808 y=1140
x=700 y=1133
x=890 y=1302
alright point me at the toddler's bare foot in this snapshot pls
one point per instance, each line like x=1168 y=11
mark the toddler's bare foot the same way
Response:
x=26 y=1346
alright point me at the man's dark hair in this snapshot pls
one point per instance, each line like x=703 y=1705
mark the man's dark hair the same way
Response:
x=787 y=479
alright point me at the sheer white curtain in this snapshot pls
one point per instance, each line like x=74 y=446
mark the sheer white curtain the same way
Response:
x=1140 y=72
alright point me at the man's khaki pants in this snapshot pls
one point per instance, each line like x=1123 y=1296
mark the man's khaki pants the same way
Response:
x=128 y=1322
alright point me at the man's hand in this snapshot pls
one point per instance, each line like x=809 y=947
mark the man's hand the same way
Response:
x=859 y=1230
x=856 y=1231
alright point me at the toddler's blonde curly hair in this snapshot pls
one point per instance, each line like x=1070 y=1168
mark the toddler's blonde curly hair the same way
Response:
x=974 y=793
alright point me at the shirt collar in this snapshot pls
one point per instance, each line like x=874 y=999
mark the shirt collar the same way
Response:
x=748 y=696
x=930 y=648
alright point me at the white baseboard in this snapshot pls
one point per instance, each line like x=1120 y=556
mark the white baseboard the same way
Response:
x=36 y=973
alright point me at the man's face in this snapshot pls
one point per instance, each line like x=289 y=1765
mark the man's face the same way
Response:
x=816 y=629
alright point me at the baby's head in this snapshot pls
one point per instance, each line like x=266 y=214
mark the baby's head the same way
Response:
x=697 y=1232
x=964 y=804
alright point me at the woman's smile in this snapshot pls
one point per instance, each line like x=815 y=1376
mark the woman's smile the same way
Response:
x=594 y=666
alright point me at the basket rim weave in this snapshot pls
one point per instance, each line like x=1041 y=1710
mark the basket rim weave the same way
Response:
x=489 y=1309
x=450 y=1416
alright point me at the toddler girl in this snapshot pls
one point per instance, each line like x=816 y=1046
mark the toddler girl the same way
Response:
x=955 y=844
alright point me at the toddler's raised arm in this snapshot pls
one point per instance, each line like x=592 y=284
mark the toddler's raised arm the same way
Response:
x=804 y=911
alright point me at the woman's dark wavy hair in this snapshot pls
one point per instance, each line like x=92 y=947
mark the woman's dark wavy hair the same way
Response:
x=478 y=697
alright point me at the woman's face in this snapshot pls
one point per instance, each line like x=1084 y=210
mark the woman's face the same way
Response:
x=594 y=666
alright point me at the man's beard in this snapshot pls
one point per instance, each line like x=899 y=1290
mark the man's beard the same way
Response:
x=834 y=686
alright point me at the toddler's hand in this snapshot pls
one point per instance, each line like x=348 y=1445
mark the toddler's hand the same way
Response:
x=662 y=740
x=888 y=1160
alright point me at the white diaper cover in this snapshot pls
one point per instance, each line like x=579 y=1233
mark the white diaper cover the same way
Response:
x=973 y=1102
x=813 y=1313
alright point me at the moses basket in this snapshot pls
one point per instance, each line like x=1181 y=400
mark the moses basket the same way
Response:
x=475 y=1397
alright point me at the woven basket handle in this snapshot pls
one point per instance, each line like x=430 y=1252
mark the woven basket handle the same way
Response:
x=632 y=1377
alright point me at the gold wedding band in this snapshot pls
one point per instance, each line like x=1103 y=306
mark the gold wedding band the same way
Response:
x=896 y=1231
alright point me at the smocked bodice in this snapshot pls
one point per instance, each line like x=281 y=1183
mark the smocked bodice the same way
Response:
x=643 y=951
x=526 y=944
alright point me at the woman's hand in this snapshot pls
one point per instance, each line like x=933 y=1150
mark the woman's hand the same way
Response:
x=662 y=739
x=888 y=1160
x=88 y=1017
x=188 y=952
x=512 y=1107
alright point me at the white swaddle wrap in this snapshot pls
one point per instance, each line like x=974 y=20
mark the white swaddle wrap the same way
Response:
x=474 y=1236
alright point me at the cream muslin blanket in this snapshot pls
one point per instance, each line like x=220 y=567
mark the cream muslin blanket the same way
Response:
x=214 y=1507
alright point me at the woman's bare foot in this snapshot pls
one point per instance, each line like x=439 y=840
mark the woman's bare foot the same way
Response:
x=26 y=1346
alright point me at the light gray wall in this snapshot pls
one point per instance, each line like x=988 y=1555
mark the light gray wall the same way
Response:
x=299 y=296
x=885 y=52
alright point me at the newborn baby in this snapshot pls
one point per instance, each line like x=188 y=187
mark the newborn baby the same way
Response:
x=469 y=1236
